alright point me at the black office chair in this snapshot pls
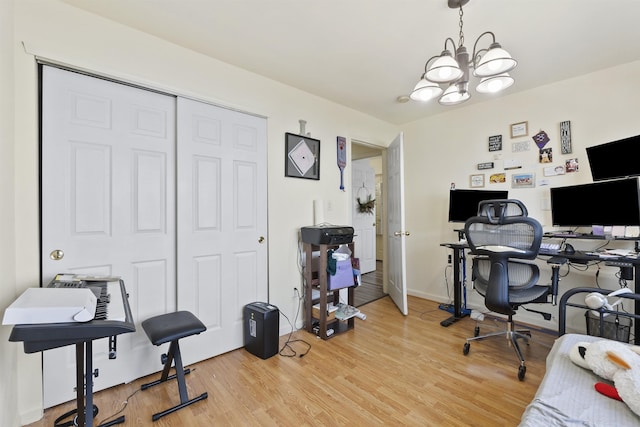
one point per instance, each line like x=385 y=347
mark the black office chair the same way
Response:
x=502 y=237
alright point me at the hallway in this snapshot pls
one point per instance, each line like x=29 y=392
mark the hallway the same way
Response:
x=371 y=287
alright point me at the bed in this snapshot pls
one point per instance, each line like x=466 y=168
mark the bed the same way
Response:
x=566 y=395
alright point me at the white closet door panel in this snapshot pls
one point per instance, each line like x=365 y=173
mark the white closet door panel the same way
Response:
x=207 y=208
x=222 y=259
x=207 y=271
x=90 y=185
x=108 y=197
x=150 y=192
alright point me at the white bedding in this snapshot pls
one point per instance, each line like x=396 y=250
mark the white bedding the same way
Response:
x=566 y=396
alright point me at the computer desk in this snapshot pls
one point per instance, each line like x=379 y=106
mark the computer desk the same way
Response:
x=459 y=304
x=578 y=257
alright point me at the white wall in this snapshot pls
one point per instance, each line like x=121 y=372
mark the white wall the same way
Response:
x=446 y=149
x=8 y=350
x=63 y=34
x=439 y=150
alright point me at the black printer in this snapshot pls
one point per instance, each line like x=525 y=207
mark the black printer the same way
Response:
x=327 y=234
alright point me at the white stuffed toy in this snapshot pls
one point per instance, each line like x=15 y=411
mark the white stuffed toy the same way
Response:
x=613 y=361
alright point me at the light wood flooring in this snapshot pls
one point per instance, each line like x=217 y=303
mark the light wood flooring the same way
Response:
x=389 y=370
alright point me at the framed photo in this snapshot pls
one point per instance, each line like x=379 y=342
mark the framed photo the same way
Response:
x=519 y=129
x=523 y=180
x=301 y=156
x=498 y=178
x=477 y=181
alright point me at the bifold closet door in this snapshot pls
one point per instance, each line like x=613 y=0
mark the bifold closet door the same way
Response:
x=222 y=221
x=108 y=202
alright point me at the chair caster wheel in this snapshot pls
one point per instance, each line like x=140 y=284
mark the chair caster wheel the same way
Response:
x=476 y=331
x=465 y=349
x=521 y=371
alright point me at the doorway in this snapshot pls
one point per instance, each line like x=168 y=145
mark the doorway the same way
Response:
x=372 y=285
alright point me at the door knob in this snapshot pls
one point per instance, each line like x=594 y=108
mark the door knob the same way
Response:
x=261 y=239
x=401 y=233
x=56 y=254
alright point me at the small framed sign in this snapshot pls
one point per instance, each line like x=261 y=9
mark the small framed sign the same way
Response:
x=565 y=137
x=495 y=143
x=476 y=181
x=519 y=129
x=485 y=165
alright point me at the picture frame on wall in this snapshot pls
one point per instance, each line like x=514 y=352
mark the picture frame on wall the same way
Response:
x=519 y=129
x=301 y=156
x=476 y=181
x=523 y=180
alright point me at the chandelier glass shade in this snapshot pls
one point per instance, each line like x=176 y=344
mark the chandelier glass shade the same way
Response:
x=491 y=65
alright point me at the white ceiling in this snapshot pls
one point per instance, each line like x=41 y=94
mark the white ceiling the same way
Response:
x=366 y=53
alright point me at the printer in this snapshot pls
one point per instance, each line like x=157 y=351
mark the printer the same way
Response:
x=327 y=234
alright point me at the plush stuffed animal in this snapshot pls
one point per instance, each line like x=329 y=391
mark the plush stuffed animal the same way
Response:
x=614 y=361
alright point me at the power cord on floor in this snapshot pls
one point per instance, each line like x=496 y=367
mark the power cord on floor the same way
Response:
x=106 y=423
x=287 y=350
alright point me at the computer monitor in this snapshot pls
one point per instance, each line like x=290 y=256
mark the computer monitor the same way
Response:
x=463 y=204
x=616 y=159
x=604 y=203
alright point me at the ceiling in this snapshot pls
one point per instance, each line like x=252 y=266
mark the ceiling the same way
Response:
x=366 y=53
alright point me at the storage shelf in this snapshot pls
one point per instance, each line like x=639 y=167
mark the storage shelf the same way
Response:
x=319 y=280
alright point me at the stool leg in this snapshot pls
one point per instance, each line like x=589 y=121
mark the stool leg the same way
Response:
x=174 y=356
x=169 y=362
x=182 y=386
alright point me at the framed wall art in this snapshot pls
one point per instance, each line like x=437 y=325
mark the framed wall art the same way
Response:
x=301 y=156
x=476 y=181
x=523 y=180
x=519 y=129
x=495 y=143
x=565 y=137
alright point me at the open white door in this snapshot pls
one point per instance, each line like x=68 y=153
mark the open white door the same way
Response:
x=396 y=233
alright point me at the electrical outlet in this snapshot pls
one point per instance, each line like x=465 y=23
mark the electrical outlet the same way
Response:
x=449 y=259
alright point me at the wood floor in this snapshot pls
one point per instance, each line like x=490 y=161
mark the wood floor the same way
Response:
x=389 y=370
x=370 y=288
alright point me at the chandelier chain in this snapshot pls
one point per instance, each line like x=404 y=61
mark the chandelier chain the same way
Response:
x=461 y=41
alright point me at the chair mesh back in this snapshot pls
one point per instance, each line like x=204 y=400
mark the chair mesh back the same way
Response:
x=521 y=274
x=503 y=226
x=502 y=233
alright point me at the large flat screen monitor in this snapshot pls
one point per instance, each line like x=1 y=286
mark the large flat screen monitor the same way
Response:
x=463 y=204
x=614 y=202
x=617 y=159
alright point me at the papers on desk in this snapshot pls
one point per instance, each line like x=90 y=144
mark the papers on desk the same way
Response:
x=618 y=253
x=499 y=248
x=51 y=305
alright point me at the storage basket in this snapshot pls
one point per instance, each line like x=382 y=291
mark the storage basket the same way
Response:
x=614 y=326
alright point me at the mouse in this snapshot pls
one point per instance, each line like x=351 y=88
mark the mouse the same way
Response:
x=569 y=249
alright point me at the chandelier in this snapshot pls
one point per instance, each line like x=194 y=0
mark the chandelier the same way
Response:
x=491 y=65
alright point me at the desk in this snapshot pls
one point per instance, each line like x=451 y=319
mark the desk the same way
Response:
x=459 y=306
x=579 y=257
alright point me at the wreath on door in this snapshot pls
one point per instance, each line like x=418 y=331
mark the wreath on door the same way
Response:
x=366 y=202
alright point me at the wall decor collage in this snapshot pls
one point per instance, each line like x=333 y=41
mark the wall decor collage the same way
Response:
x=552 y=164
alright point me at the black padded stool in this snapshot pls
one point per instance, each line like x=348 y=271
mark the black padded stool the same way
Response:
x=170 y=327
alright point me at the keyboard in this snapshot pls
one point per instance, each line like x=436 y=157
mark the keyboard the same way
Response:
x=112 y=319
